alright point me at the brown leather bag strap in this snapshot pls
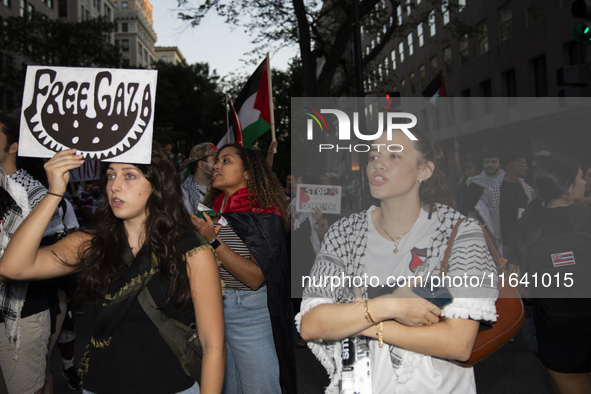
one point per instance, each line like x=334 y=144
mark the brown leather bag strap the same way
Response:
x=499 y=260
x=444 y=264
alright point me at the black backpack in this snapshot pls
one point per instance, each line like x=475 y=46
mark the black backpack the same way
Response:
x=555 y=262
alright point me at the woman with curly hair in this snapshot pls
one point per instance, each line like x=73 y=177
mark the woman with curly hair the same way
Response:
x=408 y=347
x=251 y=247
x=143 y=244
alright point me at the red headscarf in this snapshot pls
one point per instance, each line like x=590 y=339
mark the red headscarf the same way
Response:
x=238 y=202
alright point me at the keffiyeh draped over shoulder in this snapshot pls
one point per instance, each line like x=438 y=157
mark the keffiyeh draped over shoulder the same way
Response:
x=20 y=194
x=341 y=254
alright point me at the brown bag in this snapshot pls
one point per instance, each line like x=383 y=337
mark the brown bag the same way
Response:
x=509 y=307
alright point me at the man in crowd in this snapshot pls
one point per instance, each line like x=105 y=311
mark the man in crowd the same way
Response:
x=200 y=163
x=503 y=203
x=24 y=314
x=478 y=184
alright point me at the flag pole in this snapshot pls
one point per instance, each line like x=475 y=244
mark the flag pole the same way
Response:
x=227 y=115
x=451 y=118
x=273 y=138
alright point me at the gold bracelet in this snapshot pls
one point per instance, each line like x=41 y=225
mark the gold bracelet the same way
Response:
x=368 y=317
x=380 y=334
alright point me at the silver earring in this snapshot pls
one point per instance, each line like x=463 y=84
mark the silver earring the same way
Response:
x=420 y=181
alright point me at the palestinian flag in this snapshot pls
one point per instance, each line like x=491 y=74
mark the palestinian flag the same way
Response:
x=435 y=91
x=234 y=128
x=253 y=108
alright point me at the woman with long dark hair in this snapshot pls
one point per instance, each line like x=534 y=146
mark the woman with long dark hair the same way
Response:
x=251 y=247
x=564 y=343
x=405 y=236
x=143 y=240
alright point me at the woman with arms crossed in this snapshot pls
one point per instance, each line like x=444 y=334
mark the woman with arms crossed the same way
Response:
x=257 y=306
x=406 y=236
x=142 y=232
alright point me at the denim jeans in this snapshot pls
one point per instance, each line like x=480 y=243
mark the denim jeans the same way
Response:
x=251 y=360
x=191 y=390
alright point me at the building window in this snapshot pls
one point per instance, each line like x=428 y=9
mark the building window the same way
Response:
x=115 y=4
x=434 y=67
x=30 y=9
x=126 y=63
x=461 y=5
x=482 y=38
x=401 y=51
x=486 y=88
x=510 y=85
x=380 y=72
x=124 y=45
x=366 y=51
x=432 y=25
x=408 y=7
x=447 y=64
x=409 y=42
x=393 y=57
x=445 y=12
x=373 y=44
x=124 y=27
x=124 y=5
x=533 y=12
x=6 y=3
x=164 y=59
x=420 y=36
x=23 y=8
x=361 y=33
x=540 y=77
x=399 y=15
x=505 y=17
x=422 y=76
x=386 y=68
x=464 y=55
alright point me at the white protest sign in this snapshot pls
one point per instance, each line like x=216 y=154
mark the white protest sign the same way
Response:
x=89 y=171
x=325 y=197
x=106 y=114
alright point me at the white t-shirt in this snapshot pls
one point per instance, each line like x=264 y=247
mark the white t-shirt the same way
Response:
x=432 y=375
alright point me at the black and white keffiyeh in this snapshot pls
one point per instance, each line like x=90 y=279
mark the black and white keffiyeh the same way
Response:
x=25 y=193
x=486 y=181
x=489 y=207
x=193 y=194
x=341 y=254
x=298 y=219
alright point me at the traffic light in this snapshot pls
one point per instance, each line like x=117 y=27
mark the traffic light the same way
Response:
x=577 y=79
x=582 y=31
x=392 y=100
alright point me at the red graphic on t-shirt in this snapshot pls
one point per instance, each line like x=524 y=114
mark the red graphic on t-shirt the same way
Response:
x=418 y=257
x=303 y=197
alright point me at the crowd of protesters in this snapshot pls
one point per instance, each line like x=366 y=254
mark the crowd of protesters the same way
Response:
x=213 y=251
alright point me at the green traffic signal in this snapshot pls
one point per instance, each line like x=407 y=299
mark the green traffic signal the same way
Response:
x=582 y=32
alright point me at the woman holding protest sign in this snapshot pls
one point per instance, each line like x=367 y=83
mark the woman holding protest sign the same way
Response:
x=405 y=237
x=143 y=245
x=552 y=239
x=250 y=242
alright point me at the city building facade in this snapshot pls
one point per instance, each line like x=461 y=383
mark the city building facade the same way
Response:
x=134 y=33
x=170 y=55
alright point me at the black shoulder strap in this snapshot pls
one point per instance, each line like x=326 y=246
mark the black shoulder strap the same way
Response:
x=163 y=323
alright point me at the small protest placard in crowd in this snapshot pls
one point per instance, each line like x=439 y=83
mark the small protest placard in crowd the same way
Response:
x=325 y=197
x=106 y=114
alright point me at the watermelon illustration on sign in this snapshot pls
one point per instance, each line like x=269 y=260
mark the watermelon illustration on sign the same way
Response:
x=303 y=198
